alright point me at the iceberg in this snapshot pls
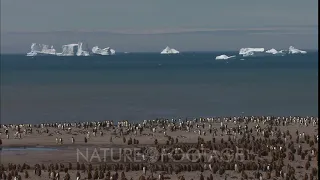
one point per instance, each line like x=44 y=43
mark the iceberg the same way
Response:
x=223 y=57
x=274 y=51
x=250 y=51
x=104 y=52
x=41 y=49
x=32 y=53
x=72 y=50
x=80 y=51
x=168 y=50
x=293 y=50
x=68 y=50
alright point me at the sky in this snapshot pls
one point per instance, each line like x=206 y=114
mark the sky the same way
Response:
x=146 y=25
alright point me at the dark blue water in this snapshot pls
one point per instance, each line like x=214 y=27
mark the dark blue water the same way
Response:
x=143 y=86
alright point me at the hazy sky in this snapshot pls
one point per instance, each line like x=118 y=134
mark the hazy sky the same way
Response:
x=290 y=18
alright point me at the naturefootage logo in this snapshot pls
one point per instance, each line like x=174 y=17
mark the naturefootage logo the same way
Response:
x=154 y=155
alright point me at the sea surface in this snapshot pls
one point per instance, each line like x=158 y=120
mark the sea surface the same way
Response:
x=147 y=86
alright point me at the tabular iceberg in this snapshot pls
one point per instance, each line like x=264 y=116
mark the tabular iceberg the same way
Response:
x=72 y=50
x=104 y=52
x=168 y=50
x=250 y=51
x=293 y=50
x=223 y=57
x=41 y=49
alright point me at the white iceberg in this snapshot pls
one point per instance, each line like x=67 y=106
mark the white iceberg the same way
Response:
x=72 y=50
x=104 y=52
x=80 y=51
x=223 y=57
x=293 y=50
x=68 y=50
x=169 y=50
x=250 y=51
x=32 y=53
x=274 y=51
x=41 y=49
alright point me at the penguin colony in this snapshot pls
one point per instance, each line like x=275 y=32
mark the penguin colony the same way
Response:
x=274 y=148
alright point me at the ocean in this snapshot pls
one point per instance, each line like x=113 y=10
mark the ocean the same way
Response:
x=148 y=86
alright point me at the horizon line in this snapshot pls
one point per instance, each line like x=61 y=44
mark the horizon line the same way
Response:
x=170 y=31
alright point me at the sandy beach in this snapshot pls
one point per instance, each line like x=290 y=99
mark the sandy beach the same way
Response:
x=204 y=148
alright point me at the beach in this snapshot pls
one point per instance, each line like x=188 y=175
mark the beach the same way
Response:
x=212 y=142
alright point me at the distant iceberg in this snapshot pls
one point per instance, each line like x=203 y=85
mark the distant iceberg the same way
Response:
x=104 y=52
x=293 y=50
x=80 y=51
x=250 y=51
x=32 y=53
x=223 y=57
x=168 y=50
x=72 y=50
x=41 y=49
x=274 y=51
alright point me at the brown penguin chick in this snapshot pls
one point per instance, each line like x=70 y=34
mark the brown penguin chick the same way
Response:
x=221 y=170
x=142 y=177
x=108 y=174
x=38 y=172
x=101 y=174
x=56 y=166
x=122 y=176
x=43 y=167
x=89 y=175
x=19 y=168
x=70 y=165
x=90 y=168
x=244 y=175
x=314 y=171
x=82 y=167
x=66 y=177
x=26 y=174
x=78 y=166
x=10 y=176
x=268 y=175
x=307 y=165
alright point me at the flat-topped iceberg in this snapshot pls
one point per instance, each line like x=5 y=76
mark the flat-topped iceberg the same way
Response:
x=223 y=57
x=68 y=50
x=104 y=52
x=293 y=50
x=250 y=51
x=41 y=49
x=72 y=50
x=169 y=50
